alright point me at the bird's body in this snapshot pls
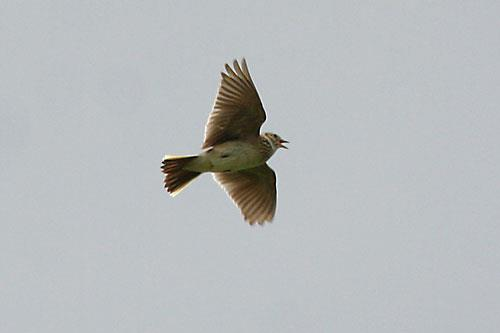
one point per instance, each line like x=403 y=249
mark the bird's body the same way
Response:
x=233 y=149
x=232 y=156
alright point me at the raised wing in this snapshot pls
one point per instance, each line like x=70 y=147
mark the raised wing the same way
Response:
x=237 y=112
x=252 y=190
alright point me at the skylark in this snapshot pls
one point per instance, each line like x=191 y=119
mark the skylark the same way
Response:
x=234 y=150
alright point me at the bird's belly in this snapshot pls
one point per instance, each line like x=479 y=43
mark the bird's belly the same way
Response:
x=233 y=156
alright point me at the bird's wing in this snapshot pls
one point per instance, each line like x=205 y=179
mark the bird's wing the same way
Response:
x=252 y=190
x=238 y=112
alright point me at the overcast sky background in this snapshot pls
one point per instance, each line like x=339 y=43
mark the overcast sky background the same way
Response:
x=389 y=197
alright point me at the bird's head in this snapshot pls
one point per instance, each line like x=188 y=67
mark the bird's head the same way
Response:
x=275 y=140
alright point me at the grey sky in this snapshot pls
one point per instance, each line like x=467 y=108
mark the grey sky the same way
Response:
x=388 y=199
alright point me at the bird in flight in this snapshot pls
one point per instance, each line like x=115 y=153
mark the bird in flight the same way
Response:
x=233 y=150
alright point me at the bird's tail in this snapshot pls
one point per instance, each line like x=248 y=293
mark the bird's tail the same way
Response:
x=176 y=178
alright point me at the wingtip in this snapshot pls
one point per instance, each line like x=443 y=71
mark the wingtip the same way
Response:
x=174 y=193
x=259 y=222
x=236 y=65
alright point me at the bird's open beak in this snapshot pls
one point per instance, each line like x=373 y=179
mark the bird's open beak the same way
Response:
x=282 y=144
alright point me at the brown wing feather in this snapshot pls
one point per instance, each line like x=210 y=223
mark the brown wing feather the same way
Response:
x=238 y=112
x=252 y=190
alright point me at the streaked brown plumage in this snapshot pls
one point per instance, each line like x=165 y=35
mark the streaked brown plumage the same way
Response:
x=253 y=190
x=233 y=149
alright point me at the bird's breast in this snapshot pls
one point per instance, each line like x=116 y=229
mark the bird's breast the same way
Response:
x=233 y=156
